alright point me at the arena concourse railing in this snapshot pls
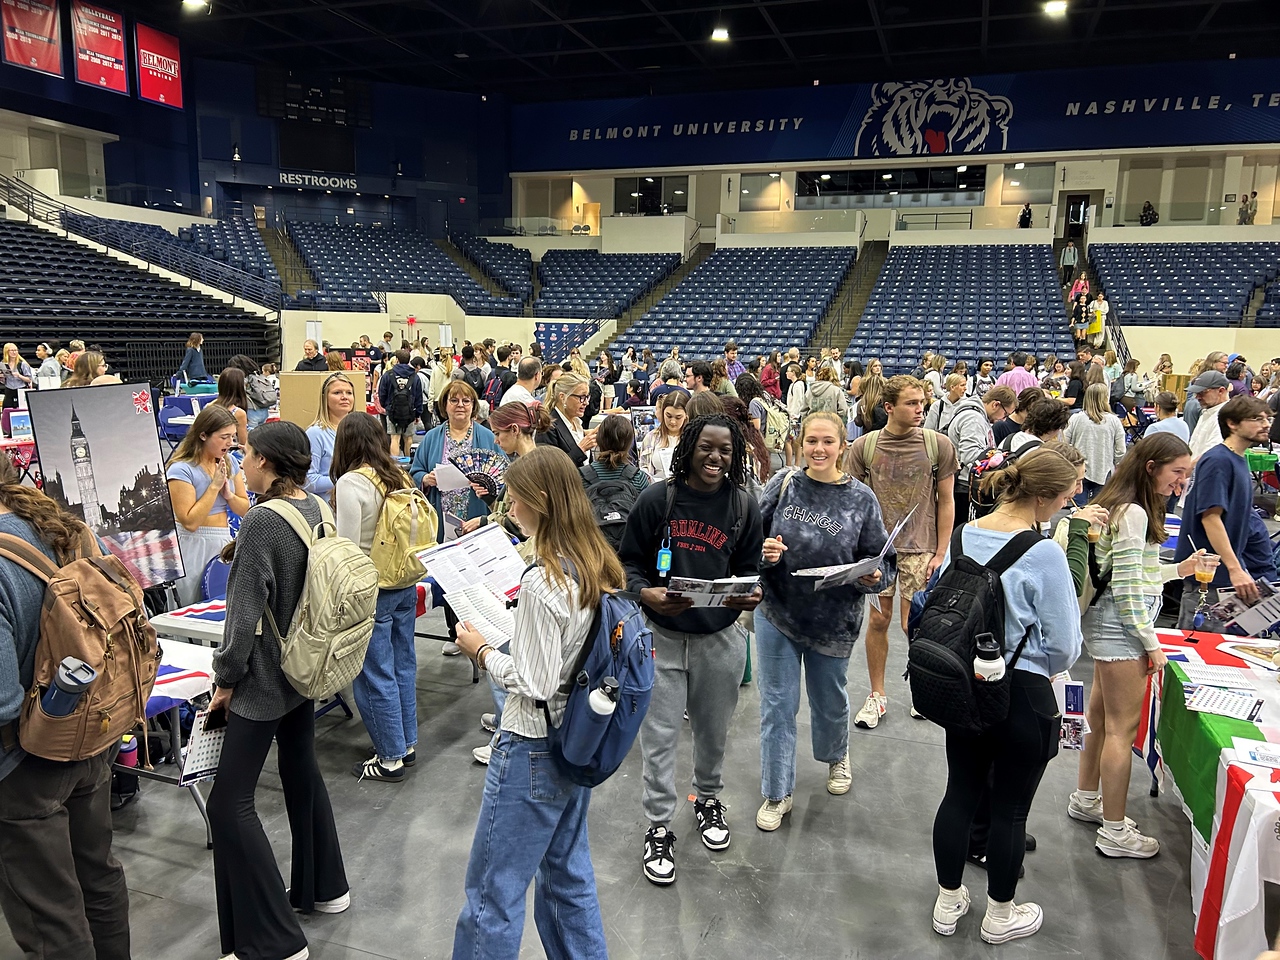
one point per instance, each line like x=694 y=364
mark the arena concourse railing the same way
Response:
x=935 y=221
x=195 y=266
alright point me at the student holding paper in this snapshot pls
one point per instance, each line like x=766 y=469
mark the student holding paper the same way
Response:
x=906 y=467
x=814 y=517
x=700 y=523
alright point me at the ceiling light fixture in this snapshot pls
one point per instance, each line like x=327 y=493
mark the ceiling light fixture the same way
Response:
x=893 y=193
x=886 y=176
x=194 y=4
x=648 y=179
x=635 y=194
x=746 y=191
x=462 y=56
x=961 y=169
x=1019 y=166
x=1015 y=183
x=1056 y=8
x=825 y=176
x=964 y=186
x=720 y=35
x=678 y=193
x=816 y=82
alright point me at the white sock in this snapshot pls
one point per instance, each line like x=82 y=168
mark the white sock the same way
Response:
x=1114 y=826
x=950 y=898
x=1088 y=796
x=391 y=764
x=1000 y=911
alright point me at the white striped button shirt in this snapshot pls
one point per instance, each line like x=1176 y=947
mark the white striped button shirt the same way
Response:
x=550 y=630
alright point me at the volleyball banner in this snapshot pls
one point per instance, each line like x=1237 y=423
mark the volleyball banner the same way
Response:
x=159 y=66
x=98 y=37
x=32 y=35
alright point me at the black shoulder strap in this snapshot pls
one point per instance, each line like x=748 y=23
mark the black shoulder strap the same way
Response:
x=741 y=507
x=957 y=543
x=671 y=500
x=588 y=471
x=1012 y=551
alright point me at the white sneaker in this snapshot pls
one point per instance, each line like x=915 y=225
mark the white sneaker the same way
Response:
x=839 y=779
x=769 y=816
x=869 y=716
x=451 y=649
x=1023 y=920
x=946 y=915
x=916 y=714
x=1127 y=843
x=482 y=754
x=339 y=905
x=1087 y=811
x=489 y=722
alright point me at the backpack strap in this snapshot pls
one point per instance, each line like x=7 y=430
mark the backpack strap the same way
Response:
x=28 y=557
x=931 y=448
x=786 y=481
x=1012 y=551
x=589 y=474
x=295 y=519
x=869 y=447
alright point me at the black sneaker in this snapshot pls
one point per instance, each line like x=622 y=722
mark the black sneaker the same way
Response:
x=410 y=758
x=712 y=826
x=371 y=769
x=659 y=856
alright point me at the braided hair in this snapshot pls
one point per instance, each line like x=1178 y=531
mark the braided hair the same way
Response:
x=682 y=458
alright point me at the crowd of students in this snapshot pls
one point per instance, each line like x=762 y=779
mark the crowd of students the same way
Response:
x=719 y=488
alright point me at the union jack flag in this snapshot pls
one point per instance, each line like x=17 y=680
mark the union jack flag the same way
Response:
x=142 y=401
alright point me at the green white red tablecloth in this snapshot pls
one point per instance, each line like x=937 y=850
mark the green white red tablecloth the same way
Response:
x=1234 y=807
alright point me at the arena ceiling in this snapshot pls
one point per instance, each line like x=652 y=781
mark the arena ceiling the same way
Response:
x=570 y=49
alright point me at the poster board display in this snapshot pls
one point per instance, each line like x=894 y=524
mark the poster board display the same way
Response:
x=300 y=394
x=159 y=66
x=97 y=36
x=32 y=35
x=99 y=450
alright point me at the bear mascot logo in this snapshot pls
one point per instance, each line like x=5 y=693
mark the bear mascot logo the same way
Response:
x=933 y=117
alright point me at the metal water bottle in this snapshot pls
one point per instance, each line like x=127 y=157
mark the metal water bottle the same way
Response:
x=72 y=679
x=988 y=665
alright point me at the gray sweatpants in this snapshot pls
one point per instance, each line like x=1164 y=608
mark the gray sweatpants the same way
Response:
x=701 y=673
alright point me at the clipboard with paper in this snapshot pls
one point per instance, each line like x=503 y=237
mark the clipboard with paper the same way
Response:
x=843 y=574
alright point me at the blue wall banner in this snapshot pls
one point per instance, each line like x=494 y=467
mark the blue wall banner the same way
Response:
x=1167 y=105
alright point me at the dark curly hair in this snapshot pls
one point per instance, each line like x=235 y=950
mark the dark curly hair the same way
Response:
x=682 y=458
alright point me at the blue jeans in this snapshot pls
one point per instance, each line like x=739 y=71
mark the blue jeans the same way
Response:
x=499 y=699
x=386 y=688
x=256 y=418
x=778 y=662
x=532 y=827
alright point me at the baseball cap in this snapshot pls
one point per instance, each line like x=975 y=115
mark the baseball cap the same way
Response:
x=1233 y=357
x=1209 y=380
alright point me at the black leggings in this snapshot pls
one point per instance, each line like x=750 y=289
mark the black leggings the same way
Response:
x=255 y=917
x=1014 y=754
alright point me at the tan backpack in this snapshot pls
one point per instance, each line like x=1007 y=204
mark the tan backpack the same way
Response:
x=333 y=621
x=93 y=610
x=407 y=524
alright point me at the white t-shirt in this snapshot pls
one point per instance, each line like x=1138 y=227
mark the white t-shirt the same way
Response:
x=515 y=392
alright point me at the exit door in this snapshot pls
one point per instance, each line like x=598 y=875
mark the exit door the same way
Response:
x=1077 y=217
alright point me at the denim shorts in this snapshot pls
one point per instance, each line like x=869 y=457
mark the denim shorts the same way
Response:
x=1105 y=637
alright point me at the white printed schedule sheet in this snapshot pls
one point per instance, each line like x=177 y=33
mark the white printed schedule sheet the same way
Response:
x=480 y=576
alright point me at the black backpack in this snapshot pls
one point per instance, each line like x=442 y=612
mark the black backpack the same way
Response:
x=475 y=378
x=611 y=500
x=400 y=403
x=966 y=601
x=493 y=390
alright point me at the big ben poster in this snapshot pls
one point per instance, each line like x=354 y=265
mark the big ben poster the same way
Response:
x=100 y=453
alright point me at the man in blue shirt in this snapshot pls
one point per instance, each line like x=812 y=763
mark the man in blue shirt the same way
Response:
x=1218 y=508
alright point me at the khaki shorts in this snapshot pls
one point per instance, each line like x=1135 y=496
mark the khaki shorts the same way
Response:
x=912 y=568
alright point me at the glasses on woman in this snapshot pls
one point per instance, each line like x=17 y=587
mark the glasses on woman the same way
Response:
x=460 y=401
x=579 y=397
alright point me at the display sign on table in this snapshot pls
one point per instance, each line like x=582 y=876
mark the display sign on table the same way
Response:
x=159 y=66
x=100 y=454
x=98 y=37
x=32 y=35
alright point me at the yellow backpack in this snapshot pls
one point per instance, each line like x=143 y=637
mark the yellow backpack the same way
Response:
x=407 y=524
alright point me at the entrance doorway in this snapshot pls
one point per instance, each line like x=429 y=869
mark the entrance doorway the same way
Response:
x=1077 y=217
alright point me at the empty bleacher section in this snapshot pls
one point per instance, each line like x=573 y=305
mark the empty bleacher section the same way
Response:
x=1183 y=284
x=965 y=301
x=1269 y=312
x=764 y=298
x=352 y=263
x=587 y=283
x=54 y=288
x=510 y=267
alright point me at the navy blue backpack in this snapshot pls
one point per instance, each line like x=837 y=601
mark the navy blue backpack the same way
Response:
x=587 y=747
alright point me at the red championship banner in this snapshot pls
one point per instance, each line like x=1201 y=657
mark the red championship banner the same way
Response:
x=159 y=66
x=32 y=37
x=98 y=35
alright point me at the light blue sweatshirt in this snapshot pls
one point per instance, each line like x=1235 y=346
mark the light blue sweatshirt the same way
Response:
x=1038 y=596
x=318 y=481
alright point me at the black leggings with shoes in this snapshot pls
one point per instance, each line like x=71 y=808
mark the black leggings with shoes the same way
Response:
x=255 y=914
x=1014 y=755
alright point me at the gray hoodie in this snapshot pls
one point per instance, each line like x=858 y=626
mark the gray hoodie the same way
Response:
x=970 y=432
x=825 y=395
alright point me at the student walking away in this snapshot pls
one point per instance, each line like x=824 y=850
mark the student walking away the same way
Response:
x=825 y=393
x=268 y=574
x=971 y=435
x=813 y=517
x=260 y=392
x=380 y=510
x=206 y=486
x=613 y=483
x=470 y=370
x=700 y=523
x=192 y=366
x=400 y=394
x=532 y=826
x=1099 y=435
x=1167 y=419
x=1217 y=509
x=1039 y=628
x=1015 y=420
x=62 y=891
x=1120 y=634
x=907 y=469
x=501 y=379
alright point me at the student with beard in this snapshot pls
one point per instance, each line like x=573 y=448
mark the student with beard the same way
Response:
x=700 y=523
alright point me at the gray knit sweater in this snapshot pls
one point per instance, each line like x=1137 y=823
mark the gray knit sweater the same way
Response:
x=269 y=569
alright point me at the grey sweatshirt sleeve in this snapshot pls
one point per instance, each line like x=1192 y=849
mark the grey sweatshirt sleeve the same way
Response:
x=251 y=581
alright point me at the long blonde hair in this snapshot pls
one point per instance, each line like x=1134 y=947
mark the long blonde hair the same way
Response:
x=1097 y=401
x=14 y=348
x=322 y=415
x=546 y=483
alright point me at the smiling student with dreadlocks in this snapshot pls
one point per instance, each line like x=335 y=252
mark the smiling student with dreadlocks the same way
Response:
x=700 y=523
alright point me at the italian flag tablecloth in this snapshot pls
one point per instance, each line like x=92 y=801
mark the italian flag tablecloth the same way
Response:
x=1234 y=807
